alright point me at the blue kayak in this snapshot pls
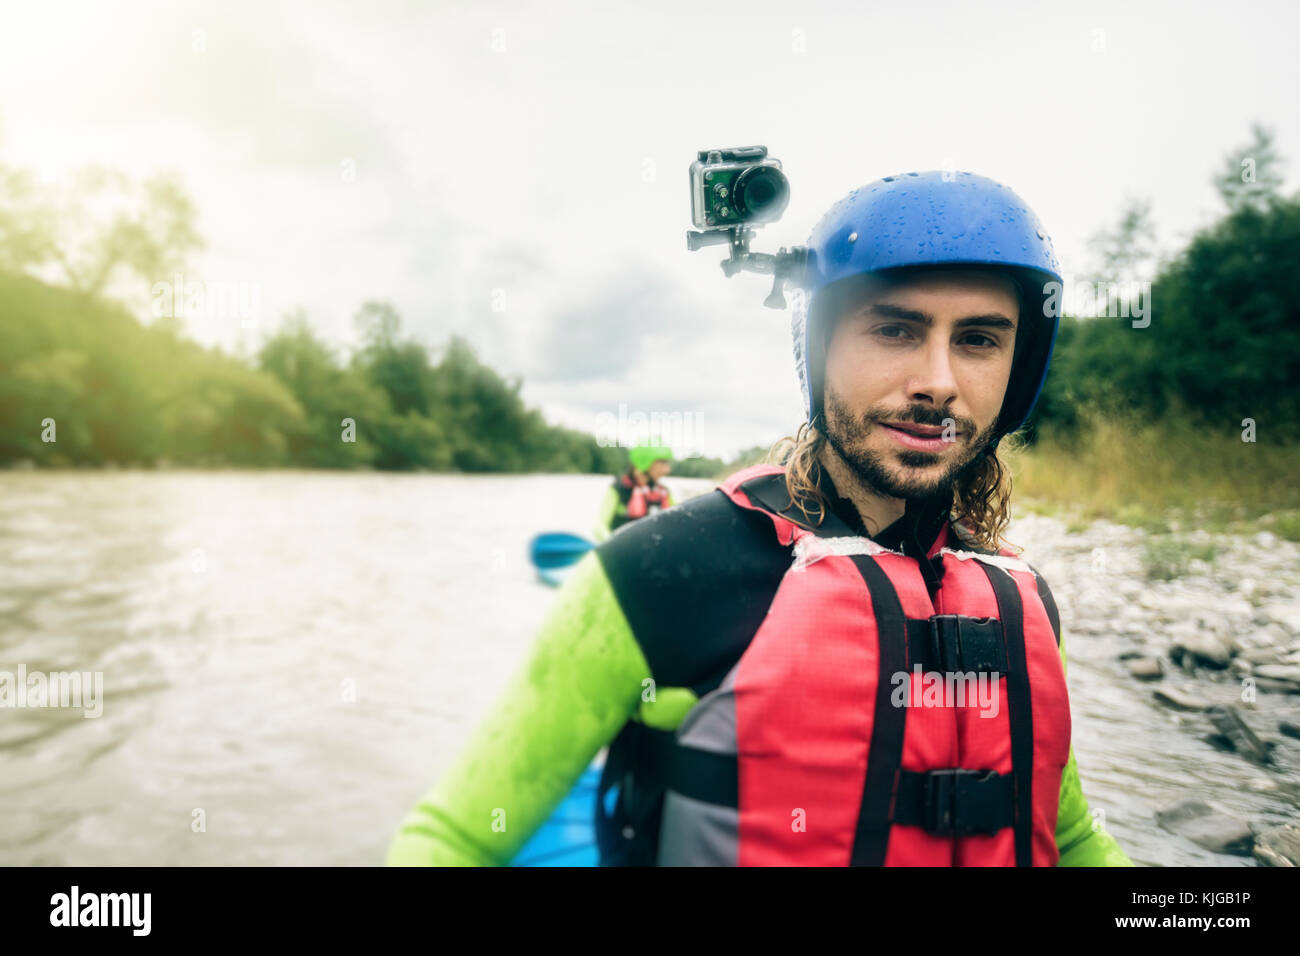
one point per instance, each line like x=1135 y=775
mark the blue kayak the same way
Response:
x=568 y=837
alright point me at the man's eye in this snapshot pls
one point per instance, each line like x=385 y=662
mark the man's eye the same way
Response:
x=986 y=342
x=884 y=331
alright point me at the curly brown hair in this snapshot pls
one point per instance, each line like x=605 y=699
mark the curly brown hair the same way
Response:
x=981 y=506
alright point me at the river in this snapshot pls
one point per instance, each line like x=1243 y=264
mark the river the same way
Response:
x=290 y=658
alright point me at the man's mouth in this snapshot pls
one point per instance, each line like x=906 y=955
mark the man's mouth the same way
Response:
x=921 y=431
x=918 y=437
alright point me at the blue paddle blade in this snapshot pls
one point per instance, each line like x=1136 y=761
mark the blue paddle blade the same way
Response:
x=558 y=549
x=554 y=577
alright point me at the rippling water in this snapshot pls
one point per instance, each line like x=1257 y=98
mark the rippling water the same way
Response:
x=293 y=657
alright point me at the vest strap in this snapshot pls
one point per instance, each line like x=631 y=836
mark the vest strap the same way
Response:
x=871 y=836
x=1049 y=602
x=956 y=643
x=951 y=802
x=1019 y=706
x=955 y=802
x=705 y=775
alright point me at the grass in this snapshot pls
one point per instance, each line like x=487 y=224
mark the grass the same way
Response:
x=1163 y=476
x=1169 y=556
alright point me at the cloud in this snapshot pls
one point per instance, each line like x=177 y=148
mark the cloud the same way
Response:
x=606 y=333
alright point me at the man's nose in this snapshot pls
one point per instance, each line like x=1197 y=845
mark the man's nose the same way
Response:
x=932 y=379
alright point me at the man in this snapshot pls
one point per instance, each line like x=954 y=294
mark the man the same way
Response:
x=831 y=662
x=638 y=492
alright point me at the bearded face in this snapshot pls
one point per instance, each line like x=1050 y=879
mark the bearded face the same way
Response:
x=916 y=371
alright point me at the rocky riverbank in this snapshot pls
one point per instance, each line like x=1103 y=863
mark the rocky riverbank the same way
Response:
x=1208 y=625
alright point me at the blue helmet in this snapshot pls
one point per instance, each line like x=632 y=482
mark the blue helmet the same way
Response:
x=920 y=220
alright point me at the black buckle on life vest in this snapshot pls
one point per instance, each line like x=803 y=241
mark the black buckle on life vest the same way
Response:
x=955 y=802
x=955 y=643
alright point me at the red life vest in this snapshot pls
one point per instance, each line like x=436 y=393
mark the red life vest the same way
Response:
x=638 y=500
x=803 y=756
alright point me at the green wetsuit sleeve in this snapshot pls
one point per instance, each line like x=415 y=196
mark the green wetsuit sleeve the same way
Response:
x=582 y=681
x=1077 y=840
x=608 y=508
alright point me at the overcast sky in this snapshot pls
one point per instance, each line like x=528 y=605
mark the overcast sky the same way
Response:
x=431 y=153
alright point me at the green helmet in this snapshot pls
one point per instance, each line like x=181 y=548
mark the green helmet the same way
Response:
x=644 y=455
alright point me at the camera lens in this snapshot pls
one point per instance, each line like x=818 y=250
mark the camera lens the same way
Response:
x=761 y=192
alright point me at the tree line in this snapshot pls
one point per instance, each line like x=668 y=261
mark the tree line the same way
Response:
x=1220 y=346
x=106 y=389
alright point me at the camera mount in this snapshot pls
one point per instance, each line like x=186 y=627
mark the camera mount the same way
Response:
x=786 y=265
